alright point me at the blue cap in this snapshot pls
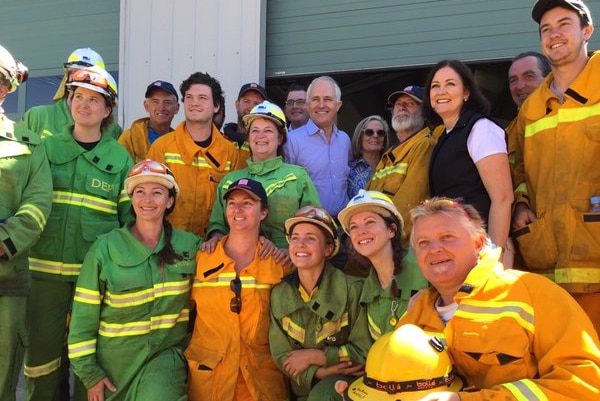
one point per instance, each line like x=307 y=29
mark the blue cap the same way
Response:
x=163 y=85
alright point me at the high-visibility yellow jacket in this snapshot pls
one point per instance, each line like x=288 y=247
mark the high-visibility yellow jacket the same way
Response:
x=135 y=139
x=403 y=174
x=515 y=336
x=557 y=170
x=198 y=172
x=225 y=343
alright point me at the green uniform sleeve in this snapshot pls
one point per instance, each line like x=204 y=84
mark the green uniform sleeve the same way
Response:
x=124 y=205
x=114 y=130
x=217 y=215
x=21 y=230
x=309 y=195
x=85 y=319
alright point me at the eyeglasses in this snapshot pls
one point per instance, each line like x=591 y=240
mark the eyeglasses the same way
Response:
x=369 y=132
x=235 y=305
x=149 y=165
x=297 y=102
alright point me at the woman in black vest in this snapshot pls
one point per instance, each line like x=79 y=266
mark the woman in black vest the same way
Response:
x=470 y=160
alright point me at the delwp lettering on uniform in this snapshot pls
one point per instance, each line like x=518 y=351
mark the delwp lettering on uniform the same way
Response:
x=96 y=183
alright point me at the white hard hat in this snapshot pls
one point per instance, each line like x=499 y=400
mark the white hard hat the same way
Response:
x=14 y=71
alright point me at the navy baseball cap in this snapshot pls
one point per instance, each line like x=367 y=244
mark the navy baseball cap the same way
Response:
x=252 y=86
x=576 y=5
x=254 y=188
x=163 y=85
x=415 y=92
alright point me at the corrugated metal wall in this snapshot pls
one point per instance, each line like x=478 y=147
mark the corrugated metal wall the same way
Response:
x=314 y=36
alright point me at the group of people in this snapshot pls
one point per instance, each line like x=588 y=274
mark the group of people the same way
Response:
x=187 y=262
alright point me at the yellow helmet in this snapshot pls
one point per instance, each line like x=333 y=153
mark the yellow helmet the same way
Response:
x=405 y=365
x=369 y=201
x=14 y=71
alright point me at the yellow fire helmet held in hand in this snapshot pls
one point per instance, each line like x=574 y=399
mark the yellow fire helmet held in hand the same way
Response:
x=404 y=365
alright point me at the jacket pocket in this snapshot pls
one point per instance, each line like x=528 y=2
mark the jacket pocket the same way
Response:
x=585 y=247
x=537 y=245
x=202 y=360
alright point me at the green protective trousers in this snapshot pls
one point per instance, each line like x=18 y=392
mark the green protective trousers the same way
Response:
x=46 y=361
x=13 y=340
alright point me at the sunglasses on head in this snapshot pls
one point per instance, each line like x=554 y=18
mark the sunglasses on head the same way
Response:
x=370 y=132
x=149 y=165
x=90 y=77
x=235 y=305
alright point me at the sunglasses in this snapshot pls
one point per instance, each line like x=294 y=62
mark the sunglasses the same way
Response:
x=317 y=213
x=149 y=165
x=235 y=305
x=92 y=78
x=369 y=132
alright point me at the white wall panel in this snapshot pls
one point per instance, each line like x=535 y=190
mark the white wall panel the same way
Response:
x=170 y=39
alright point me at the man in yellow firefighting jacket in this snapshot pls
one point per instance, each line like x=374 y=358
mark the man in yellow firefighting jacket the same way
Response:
x=557 y=168
x=197 y=153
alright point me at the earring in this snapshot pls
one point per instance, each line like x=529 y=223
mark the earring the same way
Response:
x=465 y=100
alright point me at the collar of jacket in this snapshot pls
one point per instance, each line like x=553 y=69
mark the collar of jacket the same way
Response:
x=479 y=275
x=126 y=250
x=581 y=91
x=62 y=148
x=372 y=289
x=264 y=167
x=329 y=303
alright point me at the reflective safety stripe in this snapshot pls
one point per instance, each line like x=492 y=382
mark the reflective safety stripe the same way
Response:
x=35 y=213
x=82 y=348
x=123 y=197
x=293 y=330
x=564 y=115
x=525 y=390
x=331 y=328
x=45 y=133
x=374 y=330
x=42 y=370
x=147 y=295
x=490 y=310
x=573 y=275
x=399 y=168
x=522 y=188
x=86 y=296
x=53 y=267
x=343 y=353
x=223 y=280
x=83 y=200
x=199 y=161
x=145 y=327
x=280 y=184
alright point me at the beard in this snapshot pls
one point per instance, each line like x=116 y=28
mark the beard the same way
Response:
x=407 y=122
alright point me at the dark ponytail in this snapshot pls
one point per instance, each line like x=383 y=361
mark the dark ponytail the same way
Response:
x=167 y=255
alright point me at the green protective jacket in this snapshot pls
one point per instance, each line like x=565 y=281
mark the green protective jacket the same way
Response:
x=127 y=308
x=332 y=320
x=556 y=171
x=51 y=119
x=89 y=199
x=25 y=202
x=383 y=309
x=288 y=189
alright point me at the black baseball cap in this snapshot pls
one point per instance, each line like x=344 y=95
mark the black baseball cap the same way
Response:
x=576 y=5
x=254 y=188
x=163 y=85
x=253 y=86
